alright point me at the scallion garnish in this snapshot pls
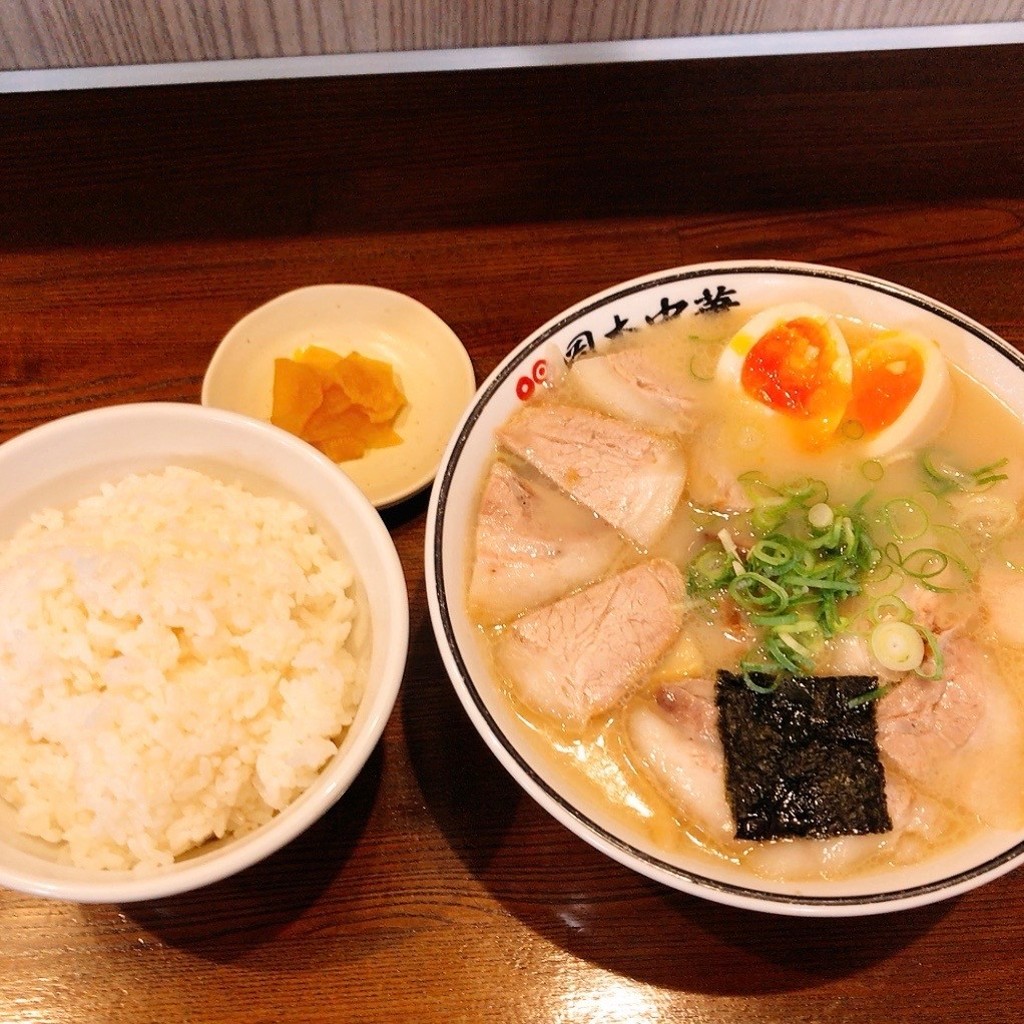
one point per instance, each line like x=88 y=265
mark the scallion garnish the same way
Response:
x=945 y=476
x=866 y=698
x=906 y=519
x=807 y=558
x=897 y=646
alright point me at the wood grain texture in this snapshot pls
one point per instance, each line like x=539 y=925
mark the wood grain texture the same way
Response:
x=90 y=33
x=139 y=225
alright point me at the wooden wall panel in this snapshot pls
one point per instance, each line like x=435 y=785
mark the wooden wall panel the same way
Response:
x=85 y=33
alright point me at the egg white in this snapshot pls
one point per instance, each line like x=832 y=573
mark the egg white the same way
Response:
x=927 y=412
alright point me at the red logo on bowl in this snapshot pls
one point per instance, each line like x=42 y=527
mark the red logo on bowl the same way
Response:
x=525 y=386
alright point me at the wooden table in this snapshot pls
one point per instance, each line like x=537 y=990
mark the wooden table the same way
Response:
x=137 y=226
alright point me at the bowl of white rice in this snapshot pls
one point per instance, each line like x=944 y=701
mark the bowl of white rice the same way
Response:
x=203 y=629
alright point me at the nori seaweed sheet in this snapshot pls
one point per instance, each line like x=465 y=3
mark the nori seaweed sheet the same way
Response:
x=799 y=760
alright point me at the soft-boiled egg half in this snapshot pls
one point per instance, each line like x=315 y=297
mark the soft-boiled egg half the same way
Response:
x=793 y=361
x=889 y=391
x=902 y=392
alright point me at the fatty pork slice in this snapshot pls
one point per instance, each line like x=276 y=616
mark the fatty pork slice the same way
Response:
x=959 y=738
x=533 y=545
x=631 y=478
x=1002 y=596
x=639 y=385
x=585 y=653
x=675 y=742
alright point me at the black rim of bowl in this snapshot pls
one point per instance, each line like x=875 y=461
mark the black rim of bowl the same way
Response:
x=588 y=827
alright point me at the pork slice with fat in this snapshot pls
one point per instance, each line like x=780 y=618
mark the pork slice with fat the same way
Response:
x=674 y=740
x=960 y=738
x=583 y=654
x=533 y=544
x=630 y=477
x=633 y=383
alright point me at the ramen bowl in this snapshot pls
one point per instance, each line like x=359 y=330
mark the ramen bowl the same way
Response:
x=691 y=296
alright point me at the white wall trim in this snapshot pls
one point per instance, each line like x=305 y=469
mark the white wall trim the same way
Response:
x=470 y=58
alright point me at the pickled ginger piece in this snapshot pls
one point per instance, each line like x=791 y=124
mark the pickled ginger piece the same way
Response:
x=369 y=383
x=331 y=417
x=800 y=760
x=352 y=433
x=322 y=359
x=342 y=405
x=342 y=449
x=298 y=392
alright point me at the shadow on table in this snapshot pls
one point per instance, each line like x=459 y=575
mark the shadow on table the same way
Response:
x=593 y=908
x=441 y=150
x=226 y=921
x=471 y=797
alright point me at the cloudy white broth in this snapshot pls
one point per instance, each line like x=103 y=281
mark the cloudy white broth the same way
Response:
x=754 y=590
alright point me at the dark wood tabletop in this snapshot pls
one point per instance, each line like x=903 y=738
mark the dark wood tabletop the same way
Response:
x=136 y=226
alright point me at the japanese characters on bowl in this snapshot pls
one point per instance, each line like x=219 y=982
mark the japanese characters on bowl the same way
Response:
x=608 y=324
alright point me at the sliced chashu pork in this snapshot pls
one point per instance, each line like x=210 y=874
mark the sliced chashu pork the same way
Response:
x=959 y=738
x=1001 y=590
x=674 y=739
x=631 y=478
x=922 y=722
x=583 y=654
x=533 y=545
x=636 y=385
x=713 y=481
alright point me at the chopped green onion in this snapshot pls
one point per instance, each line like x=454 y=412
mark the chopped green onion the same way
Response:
x=753 y=591
x=872 y=470
x=709 y=571
x=905 y=519
x=849 y=586
x=897 y=646
x=866 y=698
x=821 y=516
x=807 y=491
x=750 y=670
x=796 y=574
x=890 y=607
x=771 y=552
x=734 y=552
x=945 y=476
x=927 y=565
x=938 y=660
x=774 y=620
x=702 y=366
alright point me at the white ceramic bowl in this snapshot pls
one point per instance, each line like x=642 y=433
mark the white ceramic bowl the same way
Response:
x=60 y=462
x=430 y=362
x=688 y=290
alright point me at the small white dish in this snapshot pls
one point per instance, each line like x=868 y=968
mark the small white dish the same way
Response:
x=430 y=362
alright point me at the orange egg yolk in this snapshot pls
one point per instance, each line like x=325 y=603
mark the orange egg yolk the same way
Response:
x=791 y=369
x=886 y=376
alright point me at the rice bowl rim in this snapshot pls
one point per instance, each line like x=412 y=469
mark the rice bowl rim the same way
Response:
x=449 y=510
x=228 y=440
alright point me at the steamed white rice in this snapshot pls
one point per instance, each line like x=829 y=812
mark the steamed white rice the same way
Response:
x=174 y=666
